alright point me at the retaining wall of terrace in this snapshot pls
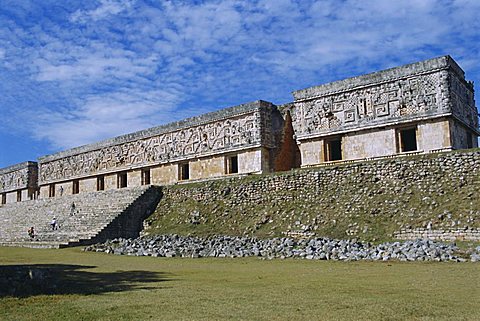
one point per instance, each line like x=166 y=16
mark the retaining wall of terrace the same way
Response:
x=370 y=200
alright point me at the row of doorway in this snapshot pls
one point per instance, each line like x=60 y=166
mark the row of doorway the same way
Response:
x=231 y=167
x=407 y=142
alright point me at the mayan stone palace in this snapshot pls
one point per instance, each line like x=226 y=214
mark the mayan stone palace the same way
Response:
x=419 y=108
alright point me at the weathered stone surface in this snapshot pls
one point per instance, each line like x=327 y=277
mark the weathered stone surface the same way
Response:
x=19 y=176
x=448 y=234
x=96 y=217
x=240 y=127
x=440 y=191
x=310 y=249
x=434 y=89
x=426 y=88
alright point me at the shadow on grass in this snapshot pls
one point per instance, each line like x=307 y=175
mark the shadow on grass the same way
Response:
x=38 y=279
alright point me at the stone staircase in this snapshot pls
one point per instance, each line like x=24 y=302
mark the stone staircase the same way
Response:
x=98 y=216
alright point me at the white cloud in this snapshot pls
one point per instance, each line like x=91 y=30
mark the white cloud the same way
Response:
x=104 y=116
x=93 y=66
x=116 y=66
x=107 y=8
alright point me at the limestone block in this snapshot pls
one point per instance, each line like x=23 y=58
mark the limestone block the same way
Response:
x=111 y=181
x=11 y=197
x=25 y=195
x=250 y=161
x=44 y=191
x=460 y=135
x=371 y=143
x=64 y=188
x=312 y=152
x=88 y=185
x=134 y=178
x=207 y=167
x=164 y=174
x=433 y=135
x=265 y=161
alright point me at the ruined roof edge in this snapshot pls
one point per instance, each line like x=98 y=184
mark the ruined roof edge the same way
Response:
x=162 y=129
x=16 y=167
x=390 y=74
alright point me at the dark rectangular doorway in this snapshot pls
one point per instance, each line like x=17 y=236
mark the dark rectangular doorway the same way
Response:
x=408 y=140
x=333 y=150
x=122 y=180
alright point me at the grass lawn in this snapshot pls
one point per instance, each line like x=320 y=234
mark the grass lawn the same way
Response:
x=94 y=286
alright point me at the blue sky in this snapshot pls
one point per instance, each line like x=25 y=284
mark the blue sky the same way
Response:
x=76 y=72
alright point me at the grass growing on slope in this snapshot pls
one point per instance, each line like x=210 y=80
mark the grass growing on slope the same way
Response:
x=96 y=286
x=359 y=205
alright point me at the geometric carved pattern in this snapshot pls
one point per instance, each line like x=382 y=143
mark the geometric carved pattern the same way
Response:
x=216 y=136
x=14 y=180
x=382 y=110
x=370 y=105
x=349 y=116
x=463 y=104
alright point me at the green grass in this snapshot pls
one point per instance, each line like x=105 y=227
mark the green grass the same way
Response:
x=96 y=286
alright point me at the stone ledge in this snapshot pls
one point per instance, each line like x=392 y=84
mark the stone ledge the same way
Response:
x=460 y=234
x=378 y=77
x=17 y=167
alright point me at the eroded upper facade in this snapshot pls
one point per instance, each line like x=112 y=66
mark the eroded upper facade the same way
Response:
x=18 y=182
x=421 y=107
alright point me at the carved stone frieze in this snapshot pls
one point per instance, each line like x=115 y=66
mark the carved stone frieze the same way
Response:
x=241 y=131
x=18 y=177
x=371 y=105
x=462 y=102
x=14 y=180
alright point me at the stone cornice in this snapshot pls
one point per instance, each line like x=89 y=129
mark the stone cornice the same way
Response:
x=372 y=79
x=16 y=167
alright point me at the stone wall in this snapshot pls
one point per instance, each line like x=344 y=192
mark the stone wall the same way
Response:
x=364 y=112
x=434 y=134
x=369 y=200
x=440 y=235
x=369 y=143
x=462 y=135
x=424 y=89
x=18 y=182
x=461 y=100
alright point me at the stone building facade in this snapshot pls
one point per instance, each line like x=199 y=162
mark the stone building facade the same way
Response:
x=236 y=140
x=18 y=182
x=422 y=107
